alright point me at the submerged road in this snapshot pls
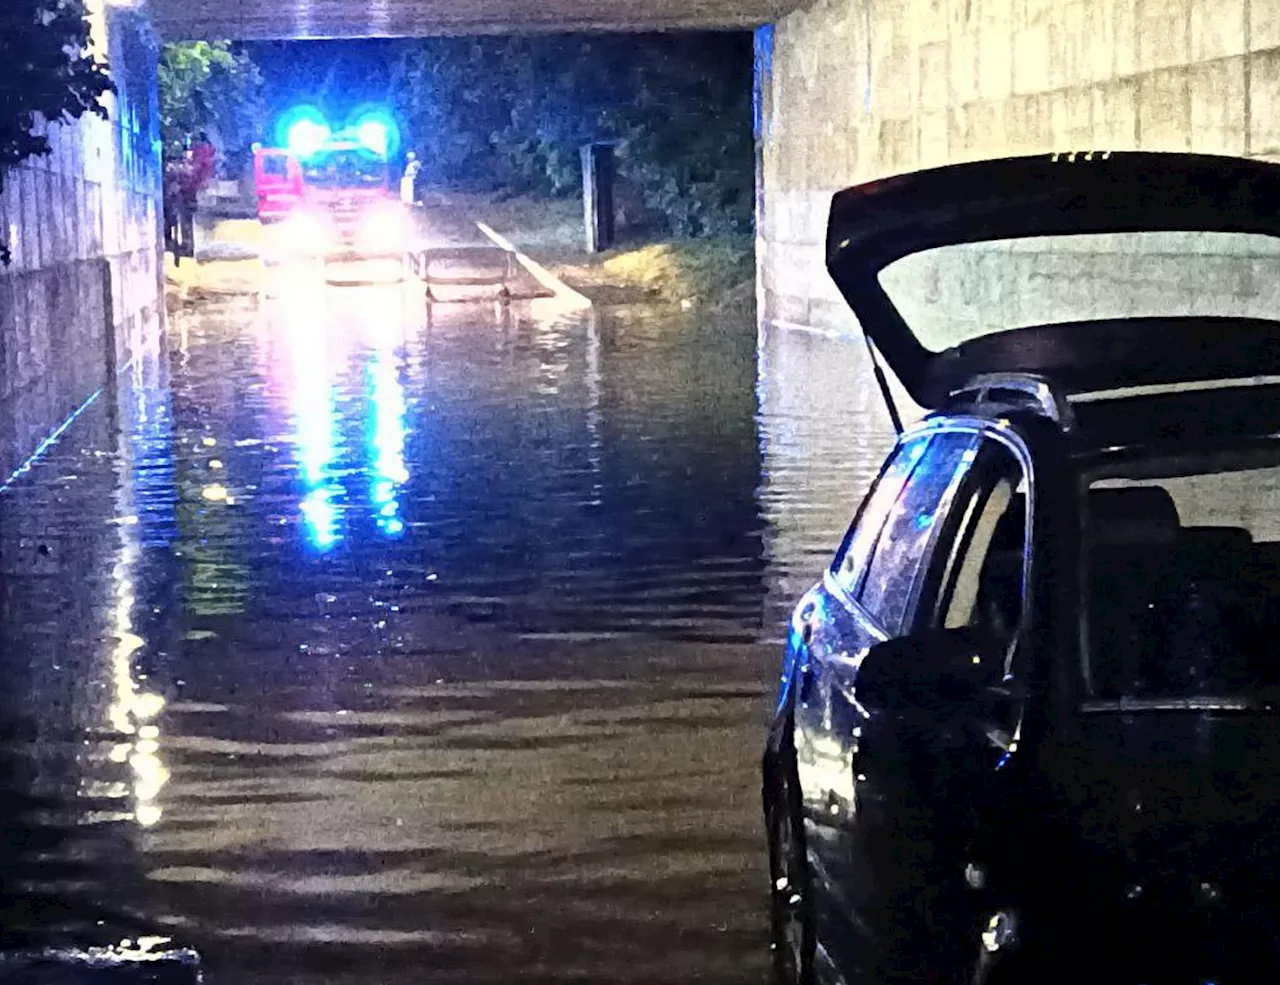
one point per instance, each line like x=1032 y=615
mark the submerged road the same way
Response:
x=351 y=645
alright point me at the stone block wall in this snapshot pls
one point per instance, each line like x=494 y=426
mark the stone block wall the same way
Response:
x=82 y=296
x=859 y=89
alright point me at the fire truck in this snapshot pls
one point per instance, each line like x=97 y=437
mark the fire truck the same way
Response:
x=347 y=207
x=277 y=182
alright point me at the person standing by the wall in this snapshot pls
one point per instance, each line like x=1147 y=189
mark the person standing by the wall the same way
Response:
x=173 y=209
x=188 y=200
x=189 y=176
x=204 y=157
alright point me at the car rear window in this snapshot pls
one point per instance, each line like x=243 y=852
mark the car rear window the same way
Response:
x=952 y=294
x=1181 y=578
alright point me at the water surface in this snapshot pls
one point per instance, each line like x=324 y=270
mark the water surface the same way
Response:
x=348 y=644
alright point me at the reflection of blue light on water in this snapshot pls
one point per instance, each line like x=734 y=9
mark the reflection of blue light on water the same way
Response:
x=388 y=437
x=322 y=518
x=154 y=472
x=316 y=443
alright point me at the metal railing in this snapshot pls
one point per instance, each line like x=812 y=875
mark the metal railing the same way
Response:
x=465 y=266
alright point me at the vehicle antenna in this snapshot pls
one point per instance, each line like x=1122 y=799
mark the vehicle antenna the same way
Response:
x=883 y=383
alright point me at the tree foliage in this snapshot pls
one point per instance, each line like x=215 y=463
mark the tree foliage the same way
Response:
x=210 y=86
x=514 y=112
x=47 y=73
x=687 y=141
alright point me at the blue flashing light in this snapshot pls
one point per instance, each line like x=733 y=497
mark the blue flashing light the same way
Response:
x=376 y=130
x=303 y=130
x=306 y=137
x=373 y=135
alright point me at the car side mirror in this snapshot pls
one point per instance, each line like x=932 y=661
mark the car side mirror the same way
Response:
x=931 y=670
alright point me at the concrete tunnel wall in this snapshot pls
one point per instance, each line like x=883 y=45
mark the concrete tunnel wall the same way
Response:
x=852 y=90
x=82 y=297
x=848 y=90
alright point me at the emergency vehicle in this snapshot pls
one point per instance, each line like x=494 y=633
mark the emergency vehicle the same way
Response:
x=347 y=206
x=277 y=182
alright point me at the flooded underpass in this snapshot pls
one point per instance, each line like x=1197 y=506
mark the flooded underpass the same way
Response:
x=348 y=642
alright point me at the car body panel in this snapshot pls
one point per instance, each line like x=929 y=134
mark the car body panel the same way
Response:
x=868 y=837
x=1153 y=851
x=875 y=224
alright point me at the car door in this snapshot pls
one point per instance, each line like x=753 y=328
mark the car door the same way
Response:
x=868 y=595
x=930 y=785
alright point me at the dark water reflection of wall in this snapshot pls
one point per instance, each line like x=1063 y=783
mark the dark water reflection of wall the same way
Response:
x=78 y=764
x=823 y=434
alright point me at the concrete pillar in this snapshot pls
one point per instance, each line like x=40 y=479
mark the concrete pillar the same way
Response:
x=762 y=109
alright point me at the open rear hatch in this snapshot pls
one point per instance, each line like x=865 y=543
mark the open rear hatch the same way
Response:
x=1099 y=272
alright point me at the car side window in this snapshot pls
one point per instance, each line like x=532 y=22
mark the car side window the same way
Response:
x=850 y=564
x=977 y=579
x=906 y=541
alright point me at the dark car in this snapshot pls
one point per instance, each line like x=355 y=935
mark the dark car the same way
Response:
x=1029 y=721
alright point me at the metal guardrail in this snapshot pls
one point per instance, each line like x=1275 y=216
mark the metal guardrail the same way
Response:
x=481 y=266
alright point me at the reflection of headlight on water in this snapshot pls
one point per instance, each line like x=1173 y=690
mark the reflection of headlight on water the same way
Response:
x=388 y=442
x=147 y=706
x=383 y=230
x=307 y=233
x=149 y=776
x=133 y=711
x=143 y=756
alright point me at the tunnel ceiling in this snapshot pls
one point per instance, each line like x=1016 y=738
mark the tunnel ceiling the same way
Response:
x=247 y=20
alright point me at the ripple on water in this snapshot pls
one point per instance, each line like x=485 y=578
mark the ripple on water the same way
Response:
x=368 y=643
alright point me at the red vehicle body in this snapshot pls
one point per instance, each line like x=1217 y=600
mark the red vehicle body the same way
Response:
x=278 y=183
x=338 y=203
x=350 y=187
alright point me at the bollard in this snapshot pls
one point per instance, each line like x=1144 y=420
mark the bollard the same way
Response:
x=597 y=195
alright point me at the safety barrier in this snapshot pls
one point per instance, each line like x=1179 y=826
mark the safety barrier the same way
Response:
x=465 y=266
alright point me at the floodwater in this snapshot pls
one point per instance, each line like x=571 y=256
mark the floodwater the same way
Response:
x=346 y=644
